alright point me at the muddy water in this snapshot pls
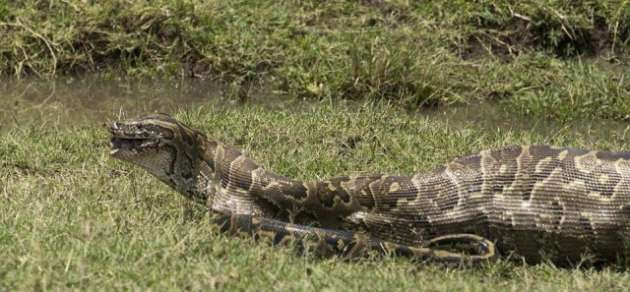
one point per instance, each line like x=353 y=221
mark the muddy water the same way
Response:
x=52 y=103
x=94 y=99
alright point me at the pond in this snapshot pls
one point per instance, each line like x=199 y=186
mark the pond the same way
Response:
x=95 y=100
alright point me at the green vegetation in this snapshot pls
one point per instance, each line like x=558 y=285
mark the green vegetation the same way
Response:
x=71 y=217
x=393 y=86
x=562 y=60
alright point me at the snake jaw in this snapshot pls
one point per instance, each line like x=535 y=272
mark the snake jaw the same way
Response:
x=131 y=139
x=132 y=146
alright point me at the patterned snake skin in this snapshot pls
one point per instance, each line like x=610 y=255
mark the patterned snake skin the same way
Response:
x=534 y=202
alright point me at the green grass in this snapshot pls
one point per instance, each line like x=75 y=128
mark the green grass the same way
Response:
x=72 y=218
x=562 y=60
x=411 y=83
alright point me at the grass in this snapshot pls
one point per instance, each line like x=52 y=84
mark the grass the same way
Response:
x=393 y=86
x=72 y=218
x=558 y=60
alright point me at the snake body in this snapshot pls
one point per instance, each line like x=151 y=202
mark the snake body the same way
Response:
x=537 y=202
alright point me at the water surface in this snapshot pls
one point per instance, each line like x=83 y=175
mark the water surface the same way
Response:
x=66 y=102
x=91 y=99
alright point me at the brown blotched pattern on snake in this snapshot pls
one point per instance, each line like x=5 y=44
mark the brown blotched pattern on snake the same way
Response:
x=536 y=202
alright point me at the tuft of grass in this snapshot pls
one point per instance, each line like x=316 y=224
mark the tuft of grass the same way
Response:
x=560 y=28
x=575 y=91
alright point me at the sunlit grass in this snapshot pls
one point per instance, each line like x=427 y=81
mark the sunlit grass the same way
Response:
x=71 y=217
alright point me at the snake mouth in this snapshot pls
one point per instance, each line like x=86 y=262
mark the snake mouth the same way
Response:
x=127 y=142
x=131 y=146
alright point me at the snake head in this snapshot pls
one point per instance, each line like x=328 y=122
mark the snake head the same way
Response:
x=146 y=136
x=160 y=144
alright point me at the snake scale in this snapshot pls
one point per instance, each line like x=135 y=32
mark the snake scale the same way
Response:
x=532 y=202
